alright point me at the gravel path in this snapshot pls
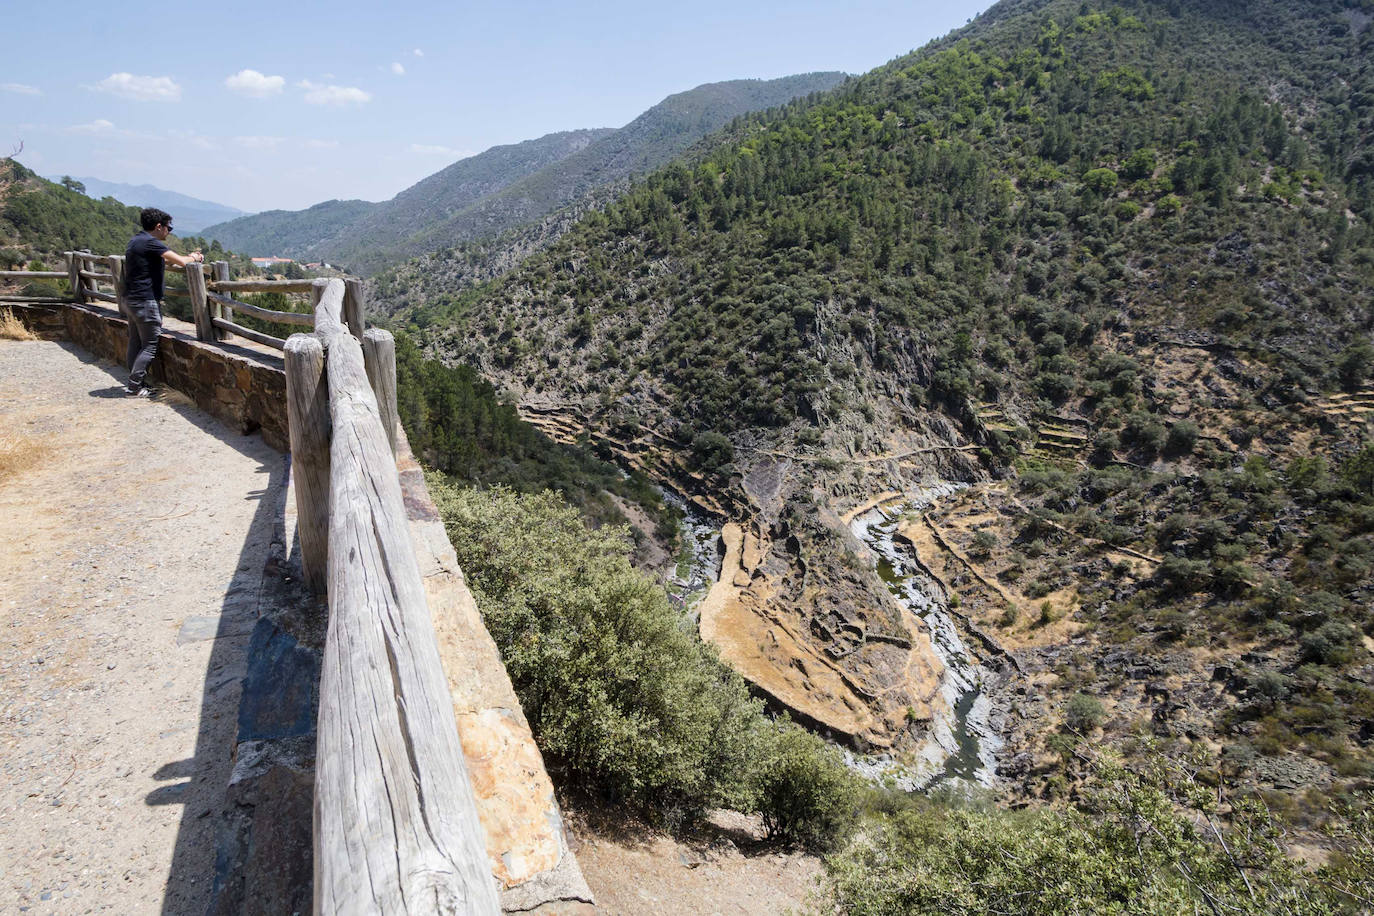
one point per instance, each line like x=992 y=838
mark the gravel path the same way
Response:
x=131 y=556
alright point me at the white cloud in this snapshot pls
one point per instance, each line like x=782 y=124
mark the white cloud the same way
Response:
x=317 y=94
x=98 y=126
x=198 y=140
x=398 y=69
x=20 y=89
x=418 y=53
x=254 y=84
x=428 y=149
x=258 y=142
x=140 y=88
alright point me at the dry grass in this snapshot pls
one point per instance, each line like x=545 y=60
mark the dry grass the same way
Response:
x=19 y=453
x=11 y=328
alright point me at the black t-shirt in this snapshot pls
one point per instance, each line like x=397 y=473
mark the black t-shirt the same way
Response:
x=143 y=268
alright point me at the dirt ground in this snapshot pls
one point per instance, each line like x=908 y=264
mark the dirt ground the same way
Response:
x=134 y=537
x=720 y=869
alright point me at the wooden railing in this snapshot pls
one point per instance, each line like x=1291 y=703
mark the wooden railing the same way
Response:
x=212 y=303
x=396 y=826
x=76 y=263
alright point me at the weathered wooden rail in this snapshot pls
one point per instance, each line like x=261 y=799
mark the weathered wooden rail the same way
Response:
x=396 y=824
x=212 y=302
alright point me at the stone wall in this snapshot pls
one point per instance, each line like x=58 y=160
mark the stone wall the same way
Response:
x=240 y=385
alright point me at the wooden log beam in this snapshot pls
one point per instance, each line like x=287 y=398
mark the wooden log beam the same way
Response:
x=96 y=276
x=102 y=296
x=195 y=285
x=228 y=327
x=327 y=298
x=36 y=300
x=355 y=307
x=307 y=416
x=379 y=356
x=297 y=318
x=221 y=272
x=74 y=275
x=262 y=286
x=396 y=828
x=32 y=274
x=115 y=264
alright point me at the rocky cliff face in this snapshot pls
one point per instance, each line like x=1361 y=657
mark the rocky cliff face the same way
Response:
x=798 y=609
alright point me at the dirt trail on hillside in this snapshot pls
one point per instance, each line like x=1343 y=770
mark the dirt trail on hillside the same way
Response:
x=132 y=551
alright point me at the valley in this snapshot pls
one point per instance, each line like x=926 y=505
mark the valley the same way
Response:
x=964 y=469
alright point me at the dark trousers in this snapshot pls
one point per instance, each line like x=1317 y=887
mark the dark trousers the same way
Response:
x=145 y=323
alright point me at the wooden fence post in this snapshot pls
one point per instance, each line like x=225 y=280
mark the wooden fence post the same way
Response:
x=74 y=276
x=379 y=355
x=115 y=263
x=355 y=308
x=219 y=309
x=200 y=310
x=307 y=418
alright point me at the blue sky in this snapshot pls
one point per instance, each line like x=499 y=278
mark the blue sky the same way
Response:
x=282 y=105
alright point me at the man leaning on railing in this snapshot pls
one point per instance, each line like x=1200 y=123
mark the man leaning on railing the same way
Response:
x=144 y=263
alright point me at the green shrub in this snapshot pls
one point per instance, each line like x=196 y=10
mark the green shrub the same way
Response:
x=1126 y=210
x=1083 y=713
x=1168 y=205
x=805 y=794
x=711 y=451
x=1145 y=845
x=1141 y=164
x=1332 y=643
x=622 y=698
x=1143 y=432
x=1100 y=181
x=1182 y=438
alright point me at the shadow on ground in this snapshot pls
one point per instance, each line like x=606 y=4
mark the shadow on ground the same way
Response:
x=244 y=841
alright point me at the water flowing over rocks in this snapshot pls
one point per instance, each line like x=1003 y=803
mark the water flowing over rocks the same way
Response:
x=961 y=743
x=697 y=565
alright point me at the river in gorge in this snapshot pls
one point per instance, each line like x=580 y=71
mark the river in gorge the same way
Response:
x=699 y=557
x=961 y=746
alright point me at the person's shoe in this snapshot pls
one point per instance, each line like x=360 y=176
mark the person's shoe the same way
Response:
x=140 y=392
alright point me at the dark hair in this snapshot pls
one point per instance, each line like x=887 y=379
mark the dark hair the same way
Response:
x=149 y=217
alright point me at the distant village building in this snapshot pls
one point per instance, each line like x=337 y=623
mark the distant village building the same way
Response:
x=270 y=262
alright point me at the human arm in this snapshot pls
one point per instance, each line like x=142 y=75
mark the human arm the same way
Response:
x=181 y=260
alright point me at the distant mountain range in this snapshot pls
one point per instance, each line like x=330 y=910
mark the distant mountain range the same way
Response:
x=191 y=213
x=508 y=186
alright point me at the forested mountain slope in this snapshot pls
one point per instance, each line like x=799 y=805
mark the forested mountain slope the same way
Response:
x=601 y=170
x=506 y=187
x=331 y=229
x=38 y=217
x=1120 y=255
